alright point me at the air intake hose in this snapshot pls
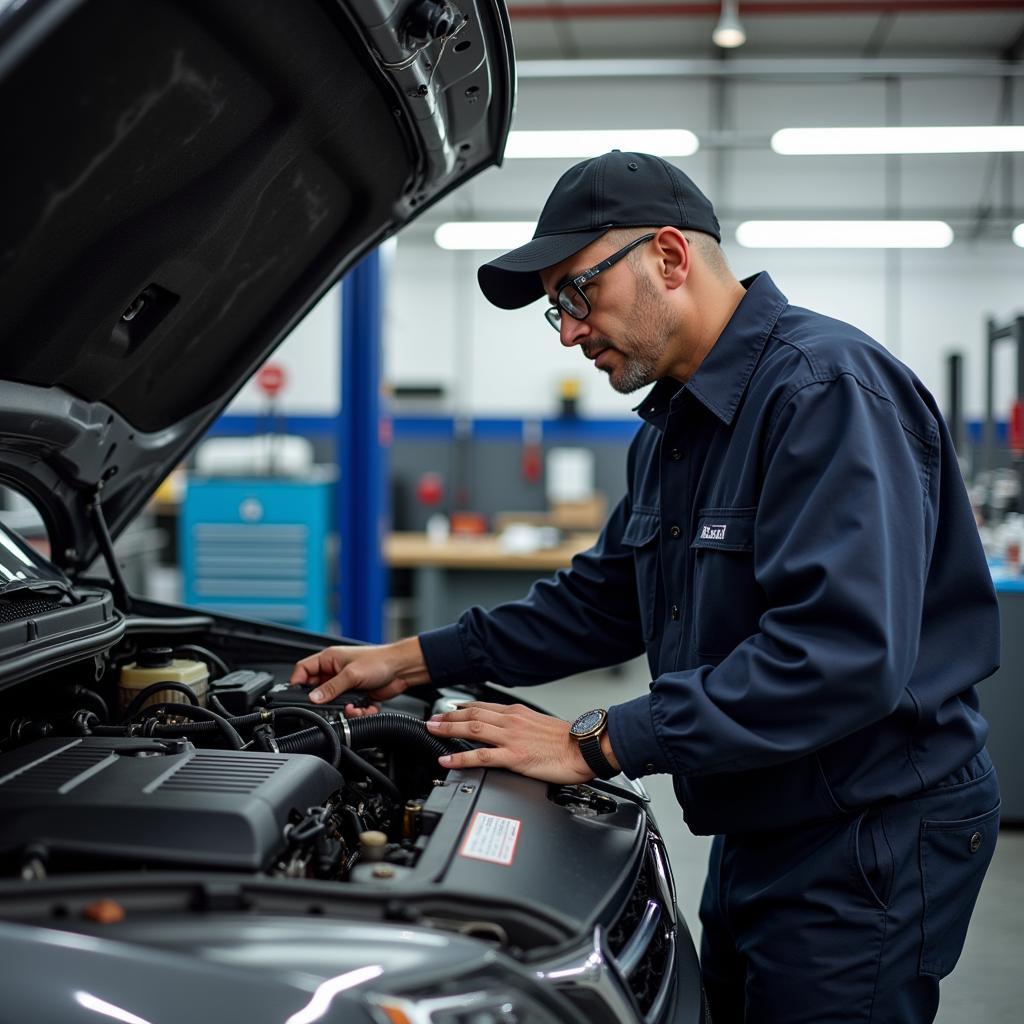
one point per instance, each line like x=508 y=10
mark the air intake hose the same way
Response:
x=389 y=727
x=385 y=729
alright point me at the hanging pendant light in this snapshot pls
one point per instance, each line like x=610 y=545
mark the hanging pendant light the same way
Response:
x=729 y=31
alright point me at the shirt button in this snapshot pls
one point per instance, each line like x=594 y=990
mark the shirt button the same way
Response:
x=649 y=768
x=675 y=613
x=676 y=454
x=674 y=531
x=975 y=843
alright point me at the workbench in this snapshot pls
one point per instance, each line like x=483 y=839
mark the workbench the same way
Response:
x=451 y=575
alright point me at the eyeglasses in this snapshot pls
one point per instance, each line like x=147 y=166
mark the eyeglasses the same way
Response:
x=572 y=299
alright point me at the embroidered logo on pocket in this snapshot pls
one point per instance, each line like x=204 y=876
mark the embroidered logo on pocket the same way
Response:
x=713 y=531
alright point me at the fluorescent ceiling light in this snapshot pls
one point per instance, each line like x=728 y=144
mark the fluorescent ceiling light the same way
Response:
x=583 y=144
x=844 y=234
x=729 y=32
x=1018 y=235
x=849 y=141
x=480 y=234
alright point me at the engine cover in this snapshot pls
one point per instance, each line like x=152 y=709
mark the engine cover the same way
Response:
x=124 y=800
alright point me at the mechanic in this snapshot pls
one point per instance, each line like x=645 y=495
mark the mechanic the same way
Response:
x=797 y=556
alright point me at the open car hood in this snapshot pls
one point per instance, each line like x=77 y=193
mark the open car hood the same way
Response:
x=183 y=181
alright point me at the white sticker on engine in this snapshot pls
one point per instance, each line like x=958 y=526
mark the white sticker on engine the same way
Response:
x=492 y=838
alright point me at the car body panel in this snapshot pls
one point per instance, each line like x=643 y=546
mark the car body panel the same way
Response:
x=191 y=177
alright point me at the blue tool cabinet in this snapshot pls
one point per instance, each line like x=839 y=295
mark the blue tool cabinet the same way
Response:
x=257 y=547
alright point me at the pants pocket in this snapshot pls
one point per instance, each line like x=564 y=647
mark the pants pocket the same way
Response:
x=954 y=858
x=873 y=856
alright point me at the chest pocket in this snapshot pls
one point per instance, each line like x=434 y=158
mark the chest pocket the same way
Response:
x=641 y=534
x=727 y=602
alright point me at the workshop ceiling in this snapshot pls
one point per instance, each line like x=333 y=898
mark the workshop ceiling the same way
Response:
x=553 y=29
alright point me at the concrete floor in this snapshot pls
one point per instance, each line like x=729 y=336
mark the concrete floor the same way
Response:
x=988 y=983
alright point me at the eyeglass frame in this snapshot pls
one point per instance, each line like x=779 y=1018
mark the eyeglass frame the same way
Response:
x=553 y=314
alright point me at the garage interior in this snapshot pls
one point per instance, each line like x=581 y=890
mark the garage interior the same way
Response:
x=487 y=455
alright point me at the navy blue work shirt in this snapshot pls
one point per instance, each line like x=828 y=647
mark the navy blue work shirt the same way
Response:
x=797 y=556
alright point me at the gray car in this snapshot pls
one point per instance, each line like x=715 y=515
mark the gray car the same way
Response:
x=183 y=180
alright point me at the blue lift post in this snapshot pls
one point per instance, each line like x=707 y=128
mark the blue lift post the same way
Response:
x=361 y=490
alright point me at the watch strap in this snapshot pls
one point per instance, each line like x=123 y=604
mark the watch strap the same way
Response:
x=590 y=748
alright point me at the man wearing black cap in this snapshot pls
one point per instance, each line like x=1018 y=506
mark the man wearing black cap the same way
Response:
x=797 y=557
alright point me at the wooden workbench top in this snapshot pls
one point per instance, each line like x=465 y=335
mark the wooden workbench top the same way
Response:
x=414 y=550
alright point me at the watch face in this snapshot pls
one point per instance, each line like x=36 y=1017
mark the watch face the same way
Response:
x=587 y=722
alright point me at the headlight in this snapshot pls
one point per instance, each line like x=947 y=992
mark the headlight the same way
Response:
x=468 y=1008
x=501 y=999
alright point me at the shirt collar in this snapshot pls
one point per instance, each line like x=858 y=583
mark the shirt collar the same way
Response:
x=722 y=378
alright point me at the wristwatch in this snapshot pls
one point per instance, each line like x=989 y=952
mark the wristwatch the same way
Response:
x=587 y=730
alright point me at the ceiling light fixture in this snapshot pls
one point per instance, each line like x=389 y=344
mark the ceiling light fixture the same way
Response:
x=939 y=139
x=1018 y=235
x=582 y=144
x=729 y=32
x=480 y=234
x=844 y=234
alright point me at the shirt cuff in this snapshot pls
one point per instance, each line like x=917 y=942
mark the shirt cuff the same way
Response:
x=445 y=655
x=634 y=740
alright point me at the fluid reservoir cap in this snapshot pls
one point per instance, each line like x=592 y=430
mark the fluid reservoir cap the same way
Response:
x=155 y=657
x=372 y=845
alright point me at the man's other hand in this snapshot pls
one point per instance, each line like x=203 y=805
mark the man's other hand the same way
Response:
x=524 y=741
x=382 y=671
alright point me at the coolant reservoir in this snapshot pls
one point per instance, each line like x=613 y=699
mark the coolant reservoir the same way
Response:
x=156 y=665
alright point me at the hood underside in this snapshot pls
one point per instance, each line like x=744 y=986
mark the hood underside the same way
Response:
x=184 y=180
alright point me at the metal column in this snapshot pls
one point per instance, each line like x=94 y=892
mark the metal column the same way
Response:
x=361 y=492
x=1014 y=332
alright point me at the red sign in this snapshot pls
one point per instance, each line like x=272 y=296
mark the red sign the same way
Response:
x=271 y=379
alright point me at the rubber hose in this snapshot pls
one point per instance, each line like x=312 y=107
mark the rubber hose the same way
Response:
x=196 y=712
x=321 y=723
x=205 y=728
x=214 y=702
x=388 y=726
x=205 y=655
x=309 y=740
x=93 y=698
x=143 y=695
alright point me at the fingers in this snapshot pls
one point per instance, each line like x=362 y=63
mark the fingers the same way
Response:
x=522 y=740
x=485 y=727
x=482 y=757
x=325 y=663
x=477 y=708
x=355 y=711
x=307 y=670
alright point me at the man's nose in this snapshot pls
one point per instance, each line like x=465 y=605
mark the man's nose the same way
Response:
x=572 y=331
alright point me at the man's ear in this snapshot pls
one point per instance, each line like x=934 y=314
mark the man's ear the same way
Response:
x=674 y=256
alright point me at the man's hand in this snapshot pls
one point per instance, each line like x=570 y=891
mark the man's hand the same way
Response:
x=383 y=671
x=521 y=740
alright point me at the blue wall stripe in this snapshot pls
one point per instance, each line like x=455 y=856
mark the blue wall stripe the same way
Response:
x=427 y=428
x=442 y=428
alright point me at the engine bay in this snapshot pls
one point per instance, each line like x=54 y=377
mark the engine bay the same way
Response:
x=154 y=760
x=116 y=763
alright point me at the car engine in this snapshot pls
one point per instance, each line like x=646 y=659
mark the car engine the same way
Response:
x=239 y=773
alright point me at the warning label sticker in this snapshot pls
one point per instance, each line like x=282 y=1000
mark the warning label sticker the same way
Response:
x=492 y=838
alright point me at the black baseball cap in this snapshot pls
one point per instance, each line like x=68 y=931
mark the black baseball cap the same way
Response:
x=615 y=190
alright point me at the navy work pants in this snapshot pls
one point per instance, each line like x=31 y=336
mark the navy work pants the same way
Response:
x=852 y=920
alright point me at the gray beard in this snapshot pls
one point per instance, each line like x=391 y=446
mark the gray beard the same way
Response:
x=640 y=365
x=635 y=373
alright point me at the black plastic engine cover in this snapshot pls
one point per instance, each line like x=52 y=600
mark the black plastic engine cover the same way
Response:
x=123 y=800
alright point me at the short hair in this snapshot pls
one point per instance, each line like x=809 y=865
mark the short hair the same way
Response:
x=706 y=245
